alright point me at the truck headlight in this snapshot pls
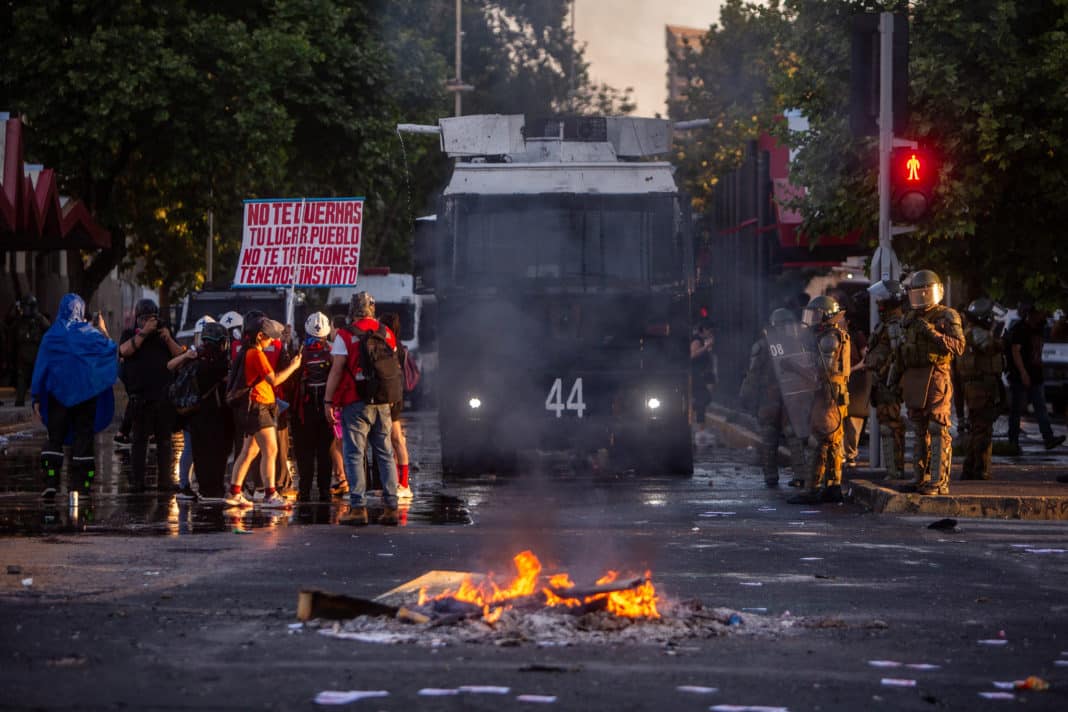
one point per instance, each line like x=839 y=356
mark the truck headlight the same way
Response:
x=475 y=403
x=653 y=404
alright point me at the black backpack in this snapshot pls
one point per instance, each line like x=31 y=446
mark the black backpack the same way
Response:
x=236 y=390
x=383 y=381
x=184 y=391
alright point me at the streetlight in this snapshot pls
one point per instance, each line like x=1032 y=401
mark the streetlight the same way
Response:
x=456 y=85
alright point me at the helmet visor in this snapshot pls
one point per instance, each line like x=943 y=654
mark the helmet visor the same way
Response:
x=812 y=317
x=925 y=296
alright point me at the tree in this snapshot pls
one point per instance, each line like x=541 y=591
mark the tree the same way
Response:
x=154 y=113
x=987 y=85
x=730 y=82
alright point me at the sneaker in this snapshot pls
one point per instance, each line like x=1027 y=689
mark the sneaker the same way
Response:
x=404 y=493
x=930 y=489
x=276 y=501
x=49 y=493
x=340 y=490
x=238 y=500
x=356 y=517
x=1054 y=442
x=122 y=442
x=389 y=518
x=186 y=493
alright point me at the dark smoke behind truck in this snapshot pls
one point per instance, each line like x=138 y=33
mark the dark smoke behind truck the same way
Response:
x=562 y=267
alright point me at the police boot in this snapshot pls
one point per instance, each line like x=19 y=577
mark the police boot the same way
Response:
x=889 y=453
x=82 y=473
x=941 y=461
x=51 y=466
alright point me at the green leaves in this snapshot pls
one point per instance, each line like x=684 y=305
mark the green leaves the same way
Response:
x=989 y=97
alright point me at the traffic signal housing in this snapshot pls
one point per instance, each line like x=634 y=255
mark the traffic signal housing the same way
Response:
x=913 y=175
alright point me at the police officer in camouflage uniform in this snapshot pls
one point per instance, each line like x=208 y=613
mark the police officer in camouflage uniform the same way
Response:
x=932 y=338
x=980 y=375
x=830 y=403
x=761 y=387
x=890 y=299
x=27 y=330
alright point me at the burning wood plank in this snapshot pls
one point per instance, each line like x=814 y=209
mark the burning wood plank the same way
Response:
x=320 y=604
x=597 y=589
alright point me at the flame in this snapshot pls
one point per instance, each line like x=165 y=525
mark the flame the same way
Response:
x=494 y=598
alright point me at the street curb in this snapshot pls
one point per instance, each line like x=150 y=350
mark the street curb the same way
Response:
x=883 y=500
x=8 y=428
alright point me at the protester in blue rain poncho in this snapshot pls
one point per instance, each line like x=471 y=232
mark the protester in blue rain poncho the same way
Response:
x=72 y=379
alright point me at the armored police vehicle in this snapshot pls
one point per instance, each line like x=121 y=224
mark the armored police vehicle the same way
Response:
x=561 y=260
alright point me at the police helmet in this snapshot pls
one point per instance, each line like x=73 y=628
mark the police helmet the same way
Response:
x=198 y=328
x=888 y=294
x=213 y=333
x=29 y=303
x=317 y=325
x=981 y=311
x=820 y=310
x=925 y=289
x=782 y=316
x=362 y=305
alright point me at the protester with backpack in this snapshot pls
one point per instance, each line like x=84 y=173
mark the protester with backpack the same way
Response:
x=198 y=395
x=396 y=433
x=251 y=392
x=314 y=435
x=185 y=460
x=365 y=380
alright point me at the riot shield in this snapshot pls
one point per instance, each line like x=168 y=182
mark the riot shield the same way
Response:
x=792 y=348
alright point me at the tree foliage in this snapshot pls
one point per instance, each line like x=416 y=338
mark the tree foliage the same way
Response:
x=988 y=95
x=154 y=113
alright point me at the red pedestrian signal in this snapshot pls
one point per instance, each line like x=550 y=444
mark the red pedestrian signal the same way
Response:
x=912 y=177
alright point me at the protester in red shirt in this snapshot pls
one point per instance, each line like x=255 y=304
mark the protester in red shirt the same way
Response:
x=365 y=399
x=259 y=422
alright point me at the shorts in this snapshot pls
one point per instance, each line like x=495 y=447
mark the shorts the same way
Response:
x=260 y=416
x=395 y=409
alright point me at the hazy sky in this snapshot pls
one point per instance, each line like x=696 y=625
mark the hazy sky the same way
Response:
x=625 y=42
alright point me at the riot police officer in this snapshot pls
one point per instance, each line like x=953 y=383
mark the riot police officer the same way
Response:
x=932 y=338
x=980 y=370
x=830 y=402
x=27 y=331
x=890 y=299
x=761 y=387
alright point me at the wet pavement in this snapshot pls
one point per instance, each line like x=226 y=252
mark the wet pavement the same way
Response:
x=110 y=618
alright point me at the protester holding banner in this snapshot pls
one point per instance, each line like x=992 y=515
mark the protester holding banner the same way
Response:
x=254 y=372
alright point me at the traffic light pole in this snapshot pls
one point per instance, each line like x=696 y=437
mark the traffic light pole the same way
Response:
x=883 y=261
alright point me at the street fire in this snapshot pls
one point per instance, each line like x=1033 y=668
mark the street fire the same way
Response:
x=627 y=599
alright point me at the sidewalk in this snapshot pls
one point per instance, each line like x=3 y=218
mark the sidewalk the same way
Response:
x=13 y=419
x=1023 y=487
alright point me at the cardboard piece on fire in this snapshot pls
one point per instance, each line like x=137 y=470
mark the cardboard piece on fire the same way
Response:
x=792 y=348
x=434 y=582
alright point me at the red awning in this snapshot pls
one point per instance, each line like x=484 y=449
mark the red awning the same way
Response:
x=33 y=216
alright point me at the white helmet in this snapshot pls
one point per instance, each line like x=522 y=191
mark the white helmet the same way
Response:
x=317 y=325
x=199 y=326
x=233 y=323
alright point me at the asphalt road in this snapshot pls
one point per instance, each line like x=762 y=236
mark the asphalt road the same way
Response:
x=153 y=606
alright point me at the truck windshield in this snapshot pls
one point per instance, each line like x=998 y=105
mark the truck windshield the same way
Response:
x=566 y=240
